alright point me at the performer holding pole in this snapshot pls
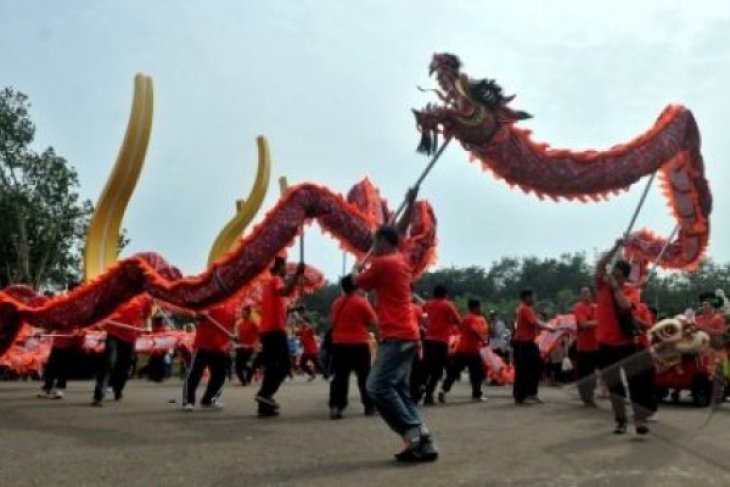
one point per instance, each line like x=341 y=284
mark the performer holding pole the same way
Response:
x=210 y=351
x=389 y=276
x=122 y=330
x=274 y=346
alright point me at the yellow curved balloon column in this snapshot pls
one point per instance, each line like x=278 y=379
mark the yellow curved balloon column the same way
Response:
x=245 y=209
x=102 y=240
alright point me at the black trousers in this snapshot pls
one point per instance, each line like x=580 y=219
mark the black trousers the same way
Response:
x=586 y=365
x=435 y=357
x=309 y=363
x=243 y=371
x=157 y=368
x=638 y=368
x=476 y=372
x=276 y=362
x=528 y=368
x=417 y=379
x=55 y=373
x=347 y=359
x=216 y=362
x=114 y=369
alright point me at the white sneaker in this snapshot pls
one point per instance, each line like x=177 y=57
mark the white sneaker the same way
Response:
x=188 y=407
x=44 y=395
x=57 y=394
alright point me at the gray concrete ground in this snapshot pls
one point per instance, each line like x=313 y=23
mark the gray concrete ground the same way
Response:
x=145 y=440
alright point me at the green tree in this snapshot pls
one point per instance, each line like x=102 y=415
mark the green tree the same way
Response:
x=43 y=219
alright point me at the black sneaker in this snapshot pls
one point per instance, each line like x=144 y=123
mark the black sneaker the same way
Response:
x=97 y=403
x=429 y=401
x=335 y=413
x=428 y=450
x=442 y=397
x=267 y=401
x=620 y=428
x=424 y=451
x=267 y=413
x=641 y=428
x=370 y=411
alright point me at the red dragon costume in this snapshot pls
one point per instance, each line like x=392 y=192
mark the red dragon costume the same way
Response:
x=477 y=113
x=351 y=223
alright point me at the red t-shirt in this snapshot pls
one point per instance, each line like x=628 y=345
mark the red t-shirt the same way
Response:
x=248 y=333
x=74 y=340
x=350 y=317
x=526 y=325
x=307 y=338
x=712 y=324
x=273 y=306
x=208 y=333
x=131 y=314
x=585 y=337
x=643 y=314
x=472 y=334
x=442 y=319
x=608 y=329
x=390 y=277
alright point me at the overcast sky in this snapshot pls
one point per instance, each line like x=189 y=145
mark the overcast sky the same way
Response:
x=331 y=84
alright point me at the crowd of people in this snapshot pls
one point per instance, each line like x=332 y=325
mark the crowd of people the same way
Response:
x=403 y=350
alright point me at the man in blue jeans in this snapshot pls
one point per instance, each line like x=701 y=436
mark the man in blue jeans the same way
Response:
x=390 y=276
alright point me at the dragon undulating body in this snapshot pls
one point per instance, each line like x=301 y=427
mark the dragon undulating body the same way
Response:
x=476 y=113
x=350 y=223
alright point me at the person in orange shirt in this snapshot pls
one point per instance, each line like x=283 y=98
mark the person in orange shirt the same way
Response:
x=273 y=336
x=309 y=360
x=61 y=358
x=390 y=276
x=473 y=335
x=586 y=345
x=709 y=320
x=122 y=330
x=616 y=330
x=527 y=361
x=210 y=351
x=442 y=321
x=247 y=331
x=157 y=368
x=350 y=317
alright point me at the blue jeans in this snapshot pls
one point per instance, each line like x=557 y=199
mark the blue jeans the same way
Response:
x=389 y=385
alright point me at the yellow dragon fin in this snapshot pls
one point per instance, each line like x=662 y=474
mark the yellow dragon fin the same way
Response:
x=245 y=209
x=102 y=238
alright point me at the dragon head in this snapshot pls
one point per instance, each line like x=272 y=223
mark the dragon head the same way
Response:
x=471 y=109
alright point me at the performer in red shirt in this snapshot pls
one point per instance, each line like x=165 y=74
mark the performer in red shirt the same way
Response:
x=272 y=333
x=309 y=361
x=210 y=351
x=442 y=321
x=157 y=367
x=710 y=320
x=528 y=364
x=350 y=317
x=390 y=276
x=586 y=345
x=248 y=336
x=59 y=361
x=473 y=335
x=122 y=330
x=616 y=303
